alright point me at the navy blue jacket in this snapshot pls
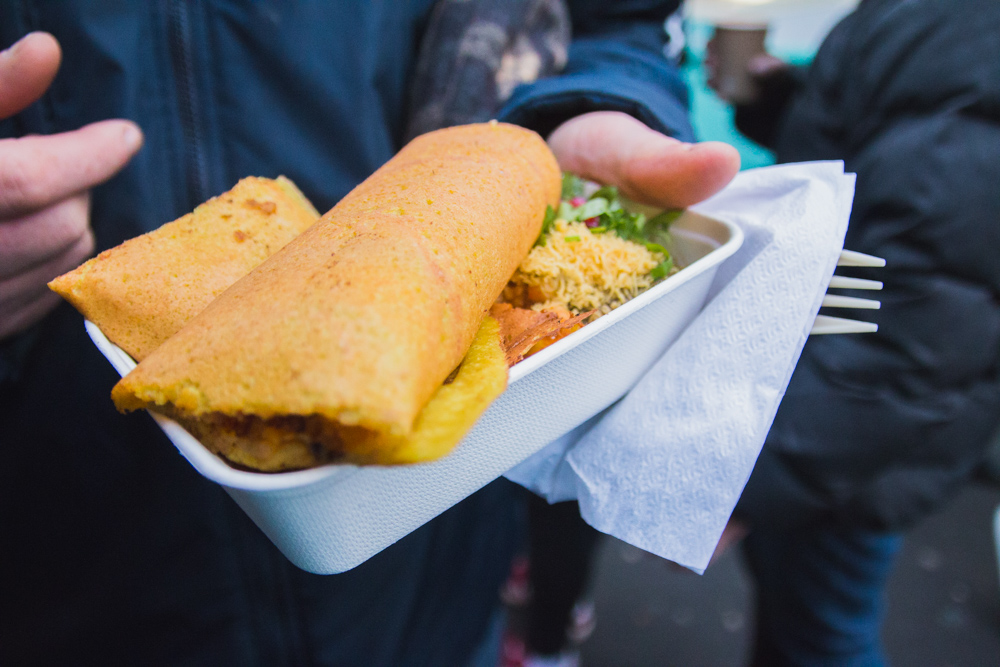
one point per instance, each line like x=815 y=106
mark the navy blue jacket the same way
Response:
x=114 y=550
x=879 y=429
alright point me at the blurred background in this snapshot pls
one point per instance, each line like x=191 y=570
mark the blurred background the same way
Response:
x=796 y=28
x=944 y=595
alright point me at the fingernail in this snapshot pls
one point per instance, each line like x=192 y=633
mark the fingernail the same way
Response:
x=132 y=136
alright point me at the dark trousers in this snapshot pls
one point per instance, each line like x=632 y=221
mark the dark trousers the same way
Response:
x=561 y=551
x=820 y=594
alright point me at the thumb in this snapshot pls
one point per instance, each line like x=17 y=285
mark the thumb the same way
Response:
x=614 y=148
x=26 y=70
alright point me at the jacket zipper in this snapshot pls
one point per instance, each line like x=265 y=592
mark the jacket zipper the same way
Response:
x=182 y=59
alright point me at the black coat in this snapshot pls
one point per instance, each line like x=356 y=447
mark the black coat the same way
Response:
x=879 y=428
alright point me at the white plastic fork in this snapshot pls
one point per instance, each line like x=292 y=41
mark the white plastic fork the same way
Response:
x=826 y=324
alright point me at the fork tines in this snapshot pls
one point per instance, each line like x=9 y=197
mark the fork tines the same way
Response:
x=826 y=324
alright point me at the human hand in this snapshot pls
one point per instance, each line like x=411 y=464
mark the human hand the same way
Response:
x=44 y=186
x=613 y=148
x=767 y=74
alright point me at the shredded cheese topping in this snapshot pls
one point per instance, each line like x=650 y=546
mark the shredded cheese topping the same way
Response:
x=581 y=271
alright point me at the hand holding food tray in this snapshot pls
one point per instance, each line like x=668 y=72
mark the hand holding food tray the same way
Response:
x=330 y=518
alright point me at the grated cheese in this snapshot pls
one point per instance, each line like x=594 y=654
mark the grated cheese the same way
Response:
x=581 y=271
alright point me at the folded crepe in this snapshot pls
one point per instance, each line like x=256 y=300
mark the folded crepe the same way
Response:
x=143 y=291
x=333 y=348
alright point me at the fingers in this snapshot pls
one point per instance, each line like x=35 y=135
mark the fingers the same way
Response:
x=35 y=239
x=26 y=70
x=614 y=148
x=25 y=298
x=38 y=171
x=24 y=287
x=34 y=250
x=44 y=217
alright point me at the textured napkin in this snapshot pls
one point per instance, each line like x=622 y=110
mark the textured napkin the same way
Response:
x=663 y=468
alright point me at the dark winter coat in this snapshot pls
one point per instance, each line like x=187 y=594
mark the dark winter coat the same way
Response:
x=878 y=429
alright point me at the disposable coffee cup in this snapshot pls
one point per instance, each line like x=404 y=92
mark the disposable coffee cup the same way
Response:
x=736 y=45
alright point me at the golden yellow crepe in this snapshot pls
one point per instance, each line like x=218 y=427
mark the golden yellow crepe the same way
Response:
x=288 y=443
x=334 y=346
x=142 y=292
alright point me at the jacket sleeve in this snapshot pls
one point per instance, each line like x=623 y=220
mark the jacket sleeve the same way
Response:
x=880 y=428
x=616 y=63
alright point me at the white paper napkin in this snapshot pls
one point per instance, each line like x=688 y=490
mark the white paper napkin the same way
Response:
x=663 y=468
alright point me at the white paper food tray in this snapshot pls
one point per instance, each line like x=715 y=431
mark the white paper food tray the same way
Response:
x=331 y=519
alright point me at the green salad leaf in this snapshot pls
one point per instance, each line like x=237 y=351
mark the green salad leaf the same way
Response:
x=662 y=270
x=572 y=186
x=593 y=208
x=547 y=223
x=605 y=205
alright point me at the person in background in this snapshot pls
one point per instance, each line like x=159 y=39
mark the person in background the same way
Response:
x=553 y=615
x=876 y=431
x=115 y=551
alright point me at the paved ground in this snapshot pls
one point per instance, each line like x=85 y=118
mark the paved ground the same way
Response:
x=944 y=600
